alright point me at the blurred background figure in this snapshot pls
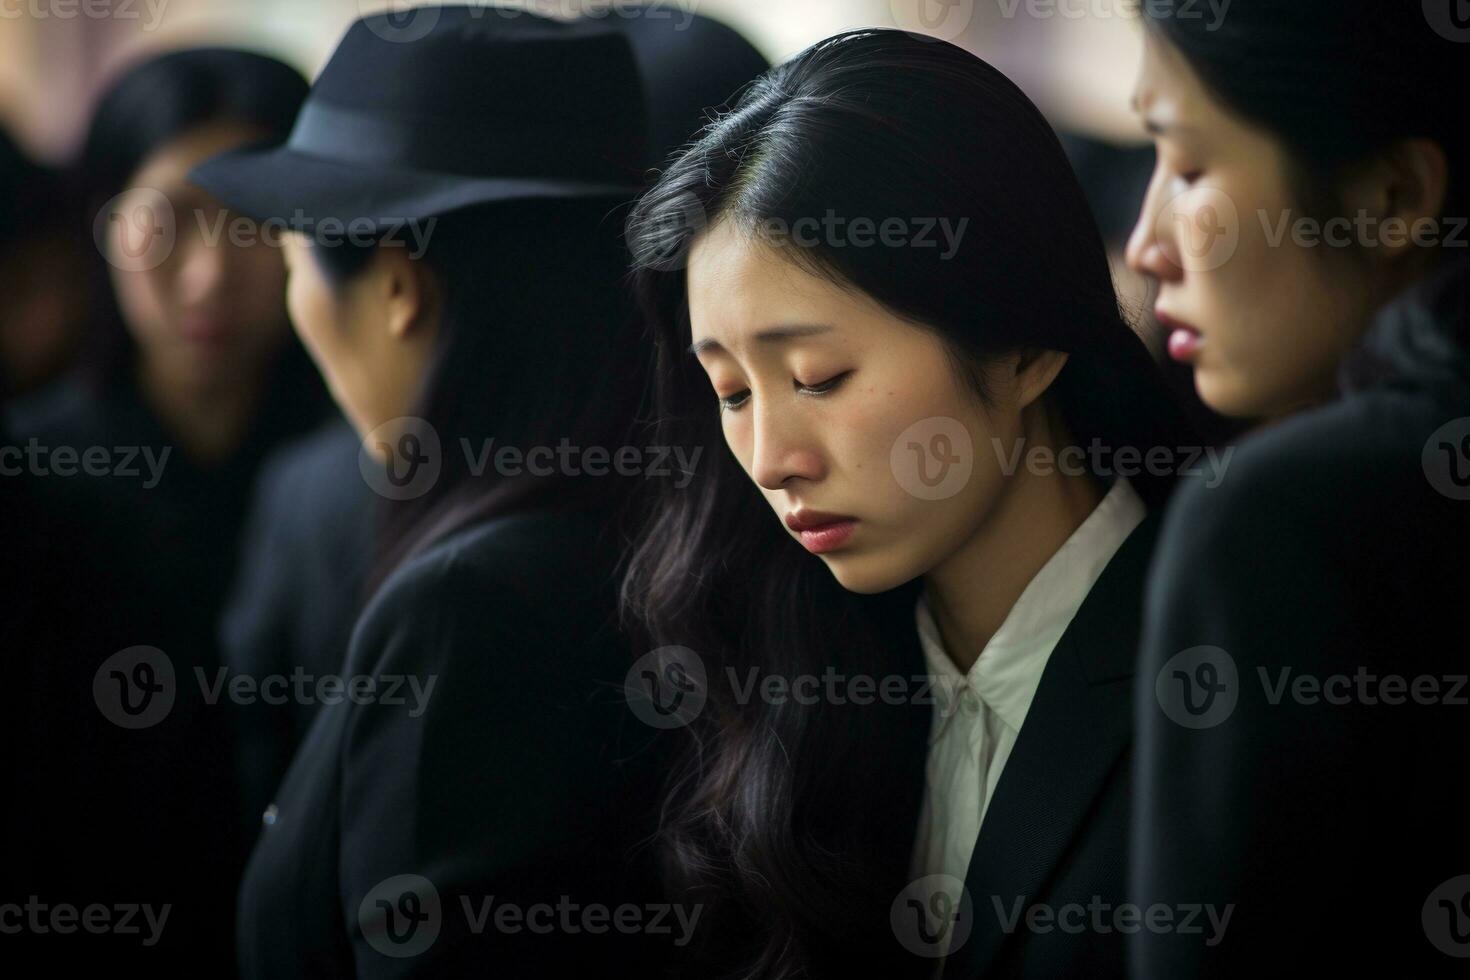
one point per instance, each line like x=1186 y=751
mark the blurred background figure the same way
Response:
x=41 y=260
x=189 y=376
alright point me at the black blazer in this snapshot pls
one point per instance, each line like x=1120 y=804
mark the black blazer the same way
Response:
x=304 y=564
x=1055 y=832
x=526 y=778
x=1327 y=552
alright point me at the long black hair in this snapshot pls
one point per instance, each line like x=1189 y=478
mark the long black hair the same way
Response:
x=537 y=346
x=147 y=107
x=781 y=818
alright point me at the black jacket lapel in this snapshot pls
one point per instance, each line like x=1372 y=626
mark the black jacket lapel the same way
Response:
x=1074 y=735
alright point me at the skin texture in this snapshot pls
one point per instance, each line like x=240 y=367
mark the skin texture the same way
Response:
x=207 y=316
x=1276 y=316
x=372 y=336
x=813 y=418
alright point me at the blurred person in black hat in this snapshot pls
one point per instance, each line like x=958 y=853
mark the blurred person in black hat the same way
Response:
x=307 y=553
x=456 y=271
x=146 y=453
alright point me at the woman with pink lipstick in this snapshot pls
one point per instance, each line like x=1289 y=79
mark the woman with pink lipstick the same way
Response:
x=917 y=519
x=1302 y=675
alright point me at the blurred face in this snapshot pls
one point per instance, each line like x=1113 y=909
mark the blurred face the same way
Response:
x=367 y=333
x=1264 y=320
x=205 y=312
x=852 y=422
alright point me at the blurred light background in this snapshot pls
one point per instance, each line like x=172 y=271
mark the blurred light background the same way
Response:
x=1075 y=58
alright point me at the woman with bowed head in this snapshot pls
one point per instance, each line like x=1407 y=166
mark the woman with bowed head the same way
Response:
x=897 y=609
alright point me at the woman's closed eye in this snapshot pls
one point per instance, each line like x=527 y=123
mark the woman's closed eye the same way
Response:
x=734 y=402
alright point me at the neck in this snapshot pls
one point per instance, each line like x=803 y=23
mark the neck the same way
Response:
x=208 y=422
x=972 y=592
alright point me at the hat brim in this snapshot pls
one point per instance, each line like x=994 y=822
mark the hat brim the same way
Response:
x=299 y=191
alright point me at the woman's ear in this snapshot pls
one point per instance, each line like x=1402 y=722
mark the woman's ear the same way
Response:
x=1403 y=192
x=1035 y=371
x=411 y=293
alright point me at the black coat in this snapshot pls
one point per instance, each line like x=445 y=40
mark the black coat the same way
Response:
x=525 y=778
x=303 y=569
x=1329 y=552
x=1054 y=837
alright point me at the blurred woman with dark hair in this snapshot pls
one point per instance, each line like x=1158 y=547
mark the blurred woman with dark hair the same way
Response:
x=1301 y=693
x=149 y=451
x=940 y=415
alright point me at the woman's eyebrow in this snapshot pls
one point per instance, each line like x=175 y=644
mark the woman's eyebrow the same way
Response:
x=769 y=335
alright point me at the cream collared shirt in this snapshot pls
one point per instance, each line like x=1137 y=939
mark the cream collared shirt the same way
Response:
x=978 y=715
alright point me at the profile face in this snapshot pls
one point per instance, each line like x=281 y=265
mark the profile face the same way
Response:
x=1263 y=319
x=207 y=312
x=815 y=386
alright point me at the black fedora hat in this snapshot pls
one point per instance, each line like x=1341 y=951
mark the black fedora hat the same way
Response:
x=434 y=109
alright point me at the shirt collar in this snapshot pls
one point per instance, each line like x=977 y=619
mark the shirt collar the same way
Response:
x=1008 y=671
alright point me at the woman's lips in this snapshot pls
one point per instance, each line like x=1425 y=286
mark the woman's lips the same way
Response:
x=1184 y=340
x=819 y=531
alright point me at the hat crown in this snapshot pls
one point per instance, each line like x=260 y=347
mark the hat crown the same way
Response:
x=481 y=91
